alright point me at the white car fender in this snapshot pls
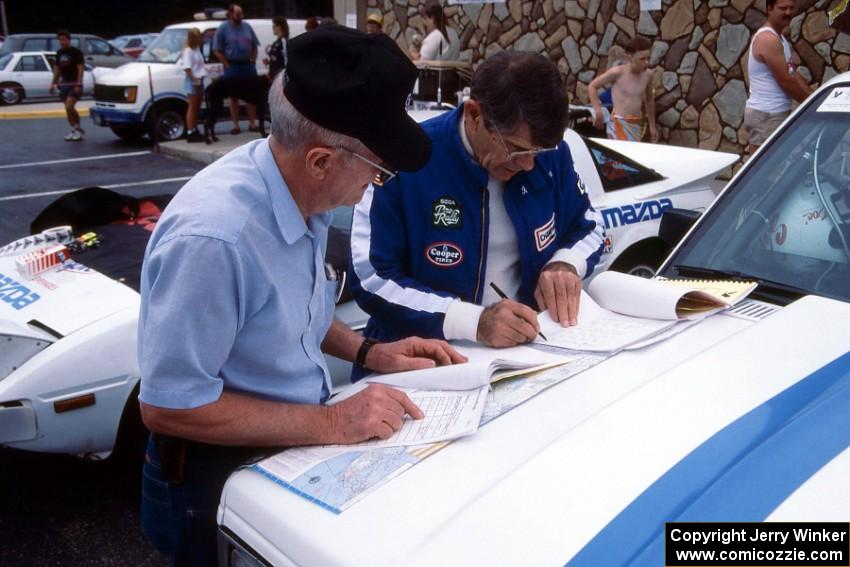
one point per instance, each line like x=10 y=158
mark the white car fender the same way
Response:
x=99 y=359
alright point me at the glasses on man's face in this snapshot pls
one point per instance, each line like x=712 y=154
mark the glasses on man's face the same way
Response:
x=512 y=155
x=383 y=175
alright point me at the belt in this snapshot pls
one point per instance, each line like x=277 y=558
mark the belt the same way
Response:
x=240 y=62
x=176 y=452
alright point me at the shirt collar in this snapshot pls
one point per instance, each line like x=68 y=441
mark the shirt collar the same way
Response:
x=290 y=222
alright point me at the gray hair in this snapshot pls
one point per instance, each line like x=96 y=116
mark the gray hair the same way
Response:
x=294 y=131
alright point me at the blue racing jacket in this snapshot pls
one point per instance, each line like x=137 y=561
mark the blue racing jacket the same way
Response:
x=420 y=241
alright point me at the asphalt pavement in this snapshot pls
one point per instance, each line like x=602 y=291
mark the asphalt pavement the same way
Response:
x=55 y=509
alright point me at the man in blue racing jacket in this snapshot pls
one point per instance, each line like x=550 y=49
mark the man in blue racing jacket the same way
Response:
x=499 y=202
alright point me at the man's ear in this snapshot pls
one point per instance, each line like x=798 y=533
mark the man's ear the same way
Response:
x=471 y=112
x=318 y=162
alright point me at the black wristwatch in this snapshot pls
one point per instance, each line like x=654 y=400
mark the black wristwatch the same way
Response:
x=363 y=351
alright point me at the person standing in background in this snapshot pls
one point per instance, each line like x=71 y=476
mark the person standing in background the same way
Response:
x=436 y=43
x=192 y=62
x=375 y=23
x=277 y=54
x=68 y=72
x=631 y=91
x=773 y=79
x=235 y=45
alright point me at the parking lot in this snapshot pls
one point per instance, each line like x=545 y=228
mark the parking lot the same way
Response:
x=59 y=510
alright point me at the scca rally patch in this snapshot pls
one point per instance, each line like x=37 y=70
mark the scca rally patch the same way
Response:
x=545 y=235
x=444 y=254
x=446 y=213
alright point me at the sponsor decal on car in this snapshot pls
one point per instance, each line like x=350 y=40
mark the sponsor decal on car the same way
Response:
x=446 y=213
x=444 y=254
x=639 y=212
x=16 y=294
x=545 y=235
x=608 y=248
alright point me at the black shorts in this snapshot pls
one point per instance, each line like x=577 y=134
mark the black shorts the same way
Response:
x=66 y=91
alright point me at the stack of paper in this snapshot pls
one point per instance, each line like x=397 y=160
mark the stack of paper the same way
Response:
x=619 y=310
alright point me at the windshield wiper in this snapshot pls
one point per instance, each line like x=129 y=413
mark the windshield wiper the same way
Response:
x=773 y=290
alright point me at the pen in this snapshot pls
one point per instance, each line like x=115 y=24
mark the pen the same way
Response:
x=501 y=294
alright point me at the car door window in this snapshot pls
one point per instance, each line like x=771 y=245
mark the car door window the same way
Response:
x=55 y=46
x=36 y=44
x=29 y=63
x=98 y=47
x=617 y=171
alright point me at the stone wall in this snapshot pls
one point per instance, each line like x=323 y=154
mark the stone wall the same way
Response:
x=699 y=49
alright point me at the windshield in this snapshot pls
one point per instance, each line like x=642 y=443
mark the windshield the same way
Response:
x=166 y=48
x=786 y=221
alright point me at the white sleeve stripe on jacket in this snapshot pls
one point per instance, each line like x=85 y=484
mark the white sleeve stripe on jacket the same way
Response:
x=386 y=289
x=588 y=245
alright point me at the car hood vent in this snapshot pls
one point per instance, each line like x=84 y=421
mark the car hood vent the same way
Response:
x=752 y=310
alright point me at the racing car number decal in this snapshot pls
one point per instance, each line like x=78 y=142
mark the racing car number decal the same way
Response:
x=16 y=294
x=639 y=212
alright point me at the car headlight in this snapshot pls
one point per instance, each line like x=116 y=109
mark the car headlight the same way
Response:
x=16 y=350
x=130 y=94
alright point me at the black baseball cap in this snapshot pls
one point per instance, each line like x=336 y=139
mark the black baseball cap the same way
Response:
x=357 y=84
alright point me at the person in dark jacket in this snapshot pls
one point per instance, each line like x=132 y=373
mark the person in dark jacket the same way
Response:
x=499 y=202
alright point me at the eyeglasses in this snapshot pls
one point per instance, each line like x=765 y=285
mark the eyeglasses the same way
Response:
x=384 y=174
x=520 y=153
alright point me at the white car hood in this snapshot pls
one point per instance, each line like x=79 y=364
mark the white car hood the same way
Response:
x=64 y=299
x=536 y=485
x=136 y=73
x=678 y=165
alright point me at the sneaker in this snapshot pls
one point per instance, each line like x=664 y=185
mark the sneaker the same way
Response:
x=69 y=137
x=76 y=136
x=194 y=137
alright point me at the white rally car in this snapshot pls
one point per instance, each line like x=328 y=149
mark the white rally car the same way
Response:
x=70 y=391
x=744 y=416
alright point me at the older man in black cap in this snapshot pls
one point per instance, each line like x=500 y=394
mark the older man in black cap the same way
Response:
x=236 y=308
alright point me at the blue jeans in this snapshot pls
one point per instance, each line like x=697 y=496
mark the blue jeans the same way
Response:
x=179 y=519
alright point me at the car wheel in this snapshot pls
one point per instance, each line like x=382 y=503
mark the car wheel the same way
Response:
x=167 y=122
x=129 y=133
x=642 y=259
x=11 y=93
x=132 y=436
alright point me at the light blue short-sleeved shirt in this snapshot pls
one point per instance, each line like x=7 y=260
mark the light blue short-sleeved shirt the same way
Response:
x=234 y=293
x=236 y=42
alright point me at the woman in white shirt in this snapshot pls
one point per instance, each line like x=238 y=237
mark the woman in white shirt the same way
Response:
x=436 y=44
x=192 y=61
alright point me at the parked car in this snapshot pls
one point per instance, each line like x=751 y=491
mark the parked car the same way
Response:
x=96 y=50
x=133 y=45
x=742 y=417
x=28 y=74
x=123 y=100
x=34 y=357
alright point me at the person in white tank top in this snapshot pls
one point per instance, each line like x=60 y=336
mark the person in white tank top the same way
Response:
x=773 y=80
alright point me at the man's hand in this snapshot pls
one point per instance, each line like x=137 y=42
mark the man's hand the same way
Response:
x=558 y=290
x=653 y=133
x=507 y=323
x=377 y=411
x=52 y=88
x=411 y=353
x=598 y=118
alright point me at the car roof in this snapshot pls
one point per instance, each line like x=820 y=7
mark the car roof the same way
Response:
x=207 y=24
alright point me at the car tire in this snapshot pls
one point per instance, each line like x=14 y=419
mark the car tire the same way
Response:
x=167 y=122
x=132 y=436
x=642 y=259
x=128 y=133
x=11 y=93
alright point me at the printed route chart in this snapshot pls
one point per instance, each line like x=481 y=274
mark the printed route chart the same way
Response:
x=335 y=478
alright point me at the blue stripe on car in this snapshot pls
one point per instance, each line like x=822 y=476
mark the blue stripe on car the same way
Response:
x=776 y=447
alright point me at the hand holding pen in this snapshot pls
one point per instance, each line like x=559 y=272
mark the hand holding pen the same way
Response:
x=507 y=323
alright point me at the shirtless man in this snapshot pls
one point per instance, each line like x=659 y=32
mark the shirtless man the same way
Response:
x=631 y=90
x=773 y=79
